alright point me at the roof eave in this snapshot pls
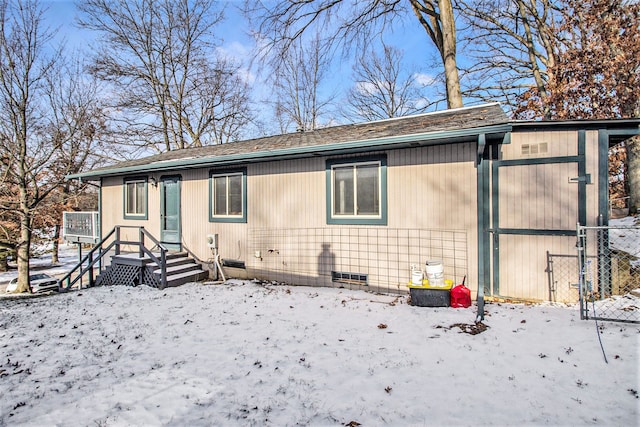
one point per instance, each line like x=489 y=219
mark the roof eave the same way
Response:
x=587 y=124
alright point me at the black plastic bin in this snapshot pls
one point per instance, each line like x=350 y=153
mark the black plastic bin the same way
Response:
x=430 y=297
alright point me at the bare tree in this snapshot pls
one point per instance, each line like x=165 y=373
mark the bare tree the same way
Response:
x=217 y=106
x=297 y=82
x=23 y=68
x=160 y=57
x=36 y=139
x=354 y=24
x=511 y=44
x=565 y=59
x=77 y=125
x=383 y=88
x=438 y=20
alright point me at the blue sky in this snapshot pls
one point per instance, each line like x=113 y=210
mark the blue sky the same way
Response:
x=419 y=52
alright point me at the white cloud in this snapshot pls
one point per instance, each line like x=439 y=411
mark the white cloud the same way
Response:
x=424 y=79
x=237 y=51
x=365 y=88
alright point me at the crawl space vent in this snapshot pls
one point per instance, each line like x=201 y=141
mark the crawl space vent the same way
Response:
x=349 y=278
x=233 y=263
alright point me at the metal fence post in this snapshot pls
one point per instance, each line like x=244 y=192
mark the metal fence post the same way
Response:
x=580 y=245
x=604 y=260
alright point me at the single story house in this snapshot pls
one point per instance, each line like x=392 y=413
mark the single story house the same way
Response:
x=357 y=205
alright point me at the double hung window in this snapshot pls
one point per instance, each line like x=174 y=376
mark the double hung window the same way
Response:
x=135 y=198
x=357 y=191
x=228 y=200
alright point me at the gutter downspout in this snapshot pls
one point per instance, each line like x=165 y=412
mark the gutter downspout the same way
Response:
x=481 y=210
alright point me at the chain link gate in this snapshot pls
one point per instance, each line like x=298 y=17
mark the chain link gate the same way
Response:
x=609 y=272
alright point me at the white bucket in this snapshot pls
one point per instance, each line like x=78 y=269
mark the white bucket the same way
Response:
x=435 y=274
x=416 y=276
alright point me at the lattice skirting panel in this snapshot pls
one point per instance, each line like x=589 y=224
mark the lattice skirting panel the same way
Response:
x=128 y=275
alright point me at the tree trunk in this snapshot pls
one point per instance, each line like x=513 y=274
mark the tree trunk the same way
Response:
x=23 y=253
x=633 y=173
x=4 y=266
x=56 y=245
x=448 y=52
x=25 y=212
x=440 y=25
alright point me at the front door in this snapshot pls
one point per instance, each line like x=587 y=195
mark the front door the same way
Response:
x=170 y=213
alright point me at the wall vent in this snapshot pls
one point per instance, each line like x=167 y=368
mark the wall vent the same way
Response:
x=349 y=278
x=540 y=148
x=233 y=263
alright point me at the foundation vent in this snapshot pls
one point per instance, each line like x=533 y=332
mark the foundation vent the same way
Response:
x=349 y=278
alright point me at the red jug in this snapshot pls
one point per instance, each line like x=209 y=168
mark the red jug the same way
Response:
x=460 y=296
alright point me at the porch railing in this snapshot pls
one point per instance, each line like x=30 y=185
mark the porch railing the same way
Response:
x=112 y=241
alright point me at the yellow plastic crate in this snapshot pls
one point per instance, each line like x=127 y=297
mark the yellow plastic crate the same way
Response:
x=448 y=284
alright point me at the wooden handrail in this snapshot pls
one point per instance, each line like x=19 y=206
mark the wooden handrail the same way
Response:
x=91 y=261
x=83 y=260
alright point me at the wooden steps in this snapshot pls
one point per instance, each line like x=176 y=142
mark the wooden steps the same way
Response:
x=132 y=270
x=180 y=270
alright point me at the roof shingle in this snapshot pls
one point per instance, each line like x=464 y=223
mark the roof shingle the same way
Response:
x=438 y=122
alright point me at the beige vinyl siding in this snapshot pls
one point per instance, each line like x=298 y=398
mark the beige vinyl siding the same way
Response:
x=113 y=210
x=540 y=197
x=286 y=194
x=195 y=220
x=431 y=213
x=558 y=143
x=434 y=188
x=524 y=270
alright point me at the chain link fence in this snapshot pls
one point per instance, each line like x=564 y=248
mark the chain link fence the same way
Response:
x=608 y=265
x=563 y=278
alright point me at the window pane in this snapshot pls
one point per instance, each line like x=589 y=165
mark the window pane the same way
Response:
x=170 y=196
x=343 y=191
x=131 y=198
x=135 y=198
x=235 y=195
x=220 y=195
x=368 y=194
x=140 y=198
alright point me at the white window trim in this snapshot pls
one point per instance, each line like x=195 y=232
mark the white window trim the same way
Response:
x=354 y=165
x=213 y=198
x=128 y=214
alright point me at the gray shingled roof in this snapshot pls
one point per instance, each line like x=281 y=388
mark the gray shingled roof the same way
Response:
x=431 y=126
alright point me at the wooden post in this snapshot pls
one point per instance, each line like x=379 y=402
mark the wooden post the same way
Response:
x=117 y=240
x=90 y=265
x=80 y=259
x=141 y=245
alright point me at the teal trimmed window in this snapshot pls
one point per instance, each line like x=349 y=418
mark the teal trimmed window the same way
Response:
x=135 y=198
x=357 y=191
x=228 y=196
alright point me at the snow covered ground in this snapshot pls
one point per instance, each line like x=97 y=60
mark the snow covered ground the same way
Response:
x=627 y=239
x=250 y=353
x=67 y=257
